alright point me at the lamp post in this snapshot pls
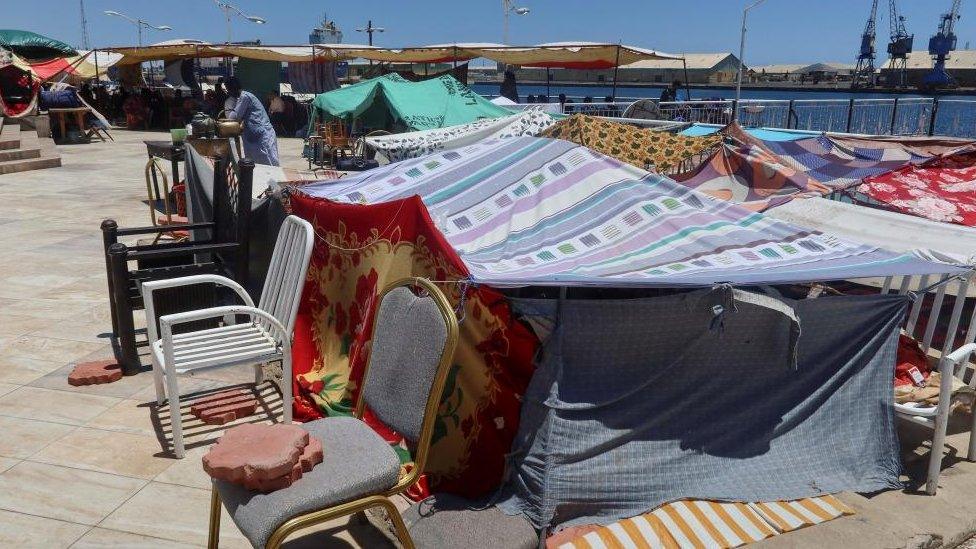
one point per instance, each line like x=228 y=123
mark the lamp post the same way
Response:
x=369 y=29
x=139 y=23
x=508 y=8
x=742 y=53
x=231 y=10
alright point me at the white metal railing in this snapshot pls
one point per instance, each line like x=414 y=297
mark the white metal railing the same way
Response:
x=894 y=116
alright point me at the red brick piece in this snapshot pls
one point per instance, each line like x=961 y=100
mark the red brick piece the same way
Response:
x=266 y=486
x=312 y=455
x=225 y=406
x=95 y=373
x=253 y=454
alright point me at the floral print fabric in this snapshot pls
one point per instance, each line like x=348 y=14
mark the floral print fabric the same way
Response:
x=942 y=189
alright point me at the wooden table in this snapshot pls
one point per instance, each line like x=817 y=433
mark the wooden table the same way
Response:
x=80 y=114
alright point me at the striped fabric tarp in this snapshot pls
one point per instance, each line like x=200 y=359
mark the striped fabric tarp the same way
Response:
x=685 y=524
x=529 y=210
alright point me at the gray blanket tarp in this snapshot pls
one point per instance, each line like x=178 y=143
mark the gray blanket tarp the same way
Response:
x=644 y=401
x=267 y=214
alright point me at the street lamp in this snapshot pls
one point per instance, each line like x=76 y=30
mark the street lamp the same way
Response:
x=509 y=7
x=139 y=23
x=369 y=29
x=231 y=10
x=742 y=53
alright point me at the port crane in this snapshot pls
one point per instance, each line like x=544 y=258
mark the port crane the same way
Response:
x=940 y=47
x=864 y=74
x=899 y=47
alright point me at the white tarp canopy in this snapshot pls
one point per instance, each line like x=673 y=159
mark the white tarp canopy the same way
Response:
x=889 y=230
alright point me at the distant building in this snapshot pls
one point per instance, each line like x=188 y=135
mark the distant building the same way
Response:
x=814 y=72
x=702 y=68
x=961 y=65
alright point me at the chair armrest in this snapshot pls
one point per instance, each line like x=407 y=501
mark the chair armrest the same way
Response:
x=157 y=229
x=167 y=322
x=162 y=252
x=960 y=354
x=147 y=288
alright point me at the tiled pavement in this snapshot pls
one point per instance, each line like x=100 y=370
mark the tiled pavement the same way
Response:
x=90 y=466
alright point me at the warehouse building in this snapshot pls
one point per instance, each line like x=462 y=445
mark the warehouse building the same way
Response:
x=702 y=68
x=961 y=65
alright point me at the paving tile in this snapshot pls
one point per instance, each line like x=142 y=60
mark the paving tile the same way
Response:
x=101 y=538
x=50 y=309
x=18 y=325
x=7 y=387
x=84 y=497
x=187 y=471
x=176 y=513
x=20 y=370
x=123 y=388
x=26 y=531
x=21 y=438
x=55 y=406
x=7 y=463
x=60 y=351
x=124 y=454
x=128 y=416
x=85 y=330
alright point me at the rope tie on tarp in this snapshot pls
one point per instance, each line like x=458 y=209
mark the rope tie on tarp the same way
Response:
x=729 y=296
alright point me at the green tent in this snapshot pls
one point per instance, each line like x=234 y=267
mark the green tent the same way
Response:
x=31 y=45
x=394 y=100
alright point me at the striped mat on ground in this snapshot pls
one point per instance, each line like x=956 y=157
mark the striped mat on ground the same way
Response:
x=711 y=524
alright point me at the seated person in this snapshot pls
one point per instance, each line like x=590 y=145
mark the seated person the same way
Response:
x=136 y=109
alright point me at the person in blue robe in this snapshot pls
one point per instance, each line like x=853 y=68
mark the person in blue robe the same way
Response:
x=259 y=139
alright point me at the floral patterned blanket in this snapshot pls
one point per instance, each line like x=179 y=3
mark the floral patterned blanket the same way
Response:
x=941 y=189
x=361 y=248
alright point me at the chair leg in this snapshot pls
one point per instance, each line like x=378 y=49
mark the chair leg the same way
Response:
x=157 y=371
x=286 y=396
x=175 y=419
x=399 y=527
x=935 y=458
x=971 y=455
x=213 y=535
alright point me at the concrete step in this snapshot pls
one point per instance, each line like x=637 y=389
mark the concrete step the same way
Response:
x=9 y=137
x=20 y=154
x=46 y=160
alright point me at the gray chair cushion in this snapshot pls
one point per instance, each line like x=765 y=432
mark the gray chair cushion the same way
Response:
x=443 y=520
x=407 y=344
x=356 y=462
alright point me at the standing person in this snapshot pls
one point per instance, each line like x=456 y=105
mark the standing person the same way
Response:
x=260 y=142
x=508 y=88
x=220 y=95
x=276 y=108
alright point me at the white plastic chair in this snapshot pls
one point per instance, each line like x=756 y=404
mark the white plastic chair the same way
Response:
x=937 y=417
x=266 y=337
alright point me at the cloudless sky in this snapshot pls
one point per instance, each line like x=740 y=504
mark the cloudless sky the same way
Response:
x=781 y=31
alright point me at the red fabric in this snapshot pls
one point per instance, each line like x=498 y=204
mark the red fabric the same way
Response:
x=910 y=354
x=941 y=189
x=359 y=250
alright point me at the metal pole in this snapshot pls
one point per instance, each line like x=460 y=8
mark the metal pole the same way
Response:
x=790 y=115
x=616 y=67
x=505 y=8
x=850 y=114
x=935 y=112
x=684 y=63
x=894 y=114
x=742 y=53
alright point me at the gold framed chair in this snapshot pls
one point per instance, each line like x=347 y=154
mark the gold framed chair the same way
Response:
x=413 y=343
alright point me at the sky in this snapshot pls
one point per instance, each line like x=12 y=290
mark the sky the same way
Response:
x=780 y=31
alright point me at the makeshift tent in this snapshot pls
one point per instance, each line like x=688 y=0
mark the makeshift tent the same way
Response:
x=527 y=211
x=33 y=46
x=401 y=146
x=540 y=211
x=434 y=103
x=623 y=416
x=885 y=229
x=941 y=189
x=658 y=151
x=572 y=55
x=751 y=177
x=913 y=146
x=766 y=134
x=826 y=161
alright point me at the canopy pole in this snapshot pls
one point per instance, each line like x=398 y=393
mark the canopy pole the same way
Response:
x=616 y=67
x=684 y=63
x=97 y=79
x=548 y=93
x=315 y=70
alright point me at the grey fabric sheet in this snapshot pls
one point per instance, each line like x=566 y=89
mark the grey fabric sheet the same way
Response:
x=640 y=402
x=443 y=520
x=356 y=462
x=407 y=344
x=267 y=215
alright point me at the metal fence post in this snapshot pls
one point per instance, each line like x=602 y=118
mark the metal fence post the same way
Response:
x=790 y=115
x=933 y=115
x=894 y=113
x=850 y=114
x=110 y=236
